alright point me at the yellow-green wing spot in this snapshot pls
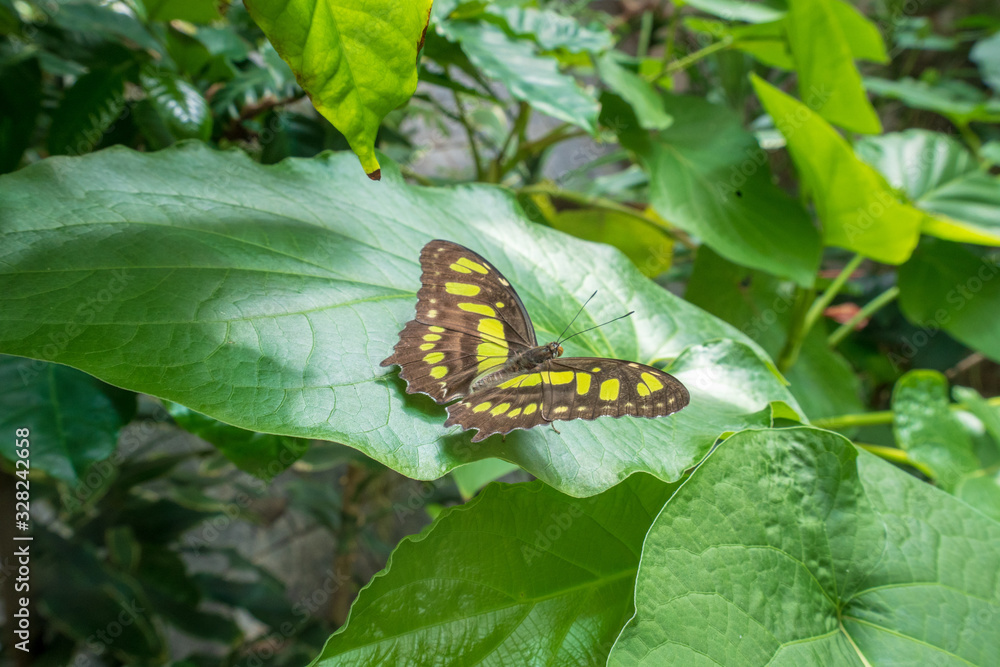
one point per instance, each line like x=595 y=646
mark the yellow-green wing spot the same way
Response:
x=609 y=390
x=478 y=309
x=582 y=383
x=648 y=385
x=561 y=377
x=462 y=289
x=527 y=380
x=470 y=264
x=493 y=351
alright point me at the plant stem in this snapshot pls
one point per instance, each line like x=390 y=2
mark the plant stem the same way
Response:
x=645 y=33
x=796 y=330
x=971 y=138
x=408 y=172
x=895 y=455
x=609 y=205
x=471 y=134
x=799 y=330
x=517 y=130
x=842 y=422
x=692 y=58
x=529 y=148
x=866 y=311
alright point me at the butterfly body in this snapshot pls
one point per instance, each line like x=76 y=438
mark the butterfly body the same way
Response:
x=472 y=340
x=523 y=361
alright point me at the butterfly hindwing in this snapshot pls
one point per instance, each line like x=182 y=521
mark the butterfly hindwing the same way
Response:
x=469 y=321
x=573 y=388
x=502 y=408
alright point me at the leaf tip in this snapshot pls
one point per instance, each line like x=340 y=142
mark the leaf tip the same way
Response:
x=375 y=175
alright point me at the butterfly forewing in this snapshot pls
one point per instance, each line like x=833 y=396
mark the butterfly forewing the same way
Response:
x=469 y=321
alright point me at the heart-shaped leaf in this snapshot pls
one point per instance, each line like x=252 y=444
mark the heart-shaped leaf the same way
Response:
x=789 y=547
x=553 y=575
x=266 y=297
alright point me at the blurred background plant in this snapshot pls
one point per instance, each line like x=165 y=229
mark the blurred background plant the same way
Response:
x=611 y=121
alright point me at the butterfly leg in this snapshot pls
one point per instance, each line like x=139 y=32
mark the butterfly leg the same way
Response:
x=553 y=425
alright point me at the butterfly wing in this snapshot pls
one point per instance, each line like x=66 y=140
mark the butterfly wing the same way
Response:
x=588 y=388
x=469 y=320
x=515 y=403
x=573 y=388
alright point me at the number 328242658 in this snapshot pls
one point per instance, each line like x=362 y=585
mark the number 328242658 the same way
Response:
x=22 y=465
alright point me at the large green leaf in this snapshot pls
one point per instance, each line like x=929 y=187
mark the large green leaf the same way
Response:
x=829 y=82
x=941 y=177
x=858 y=209
x=958 y=101
x=529 y=77
x=266 y=297
x=789 y=548
x=73 y=418
x=357 y=59
x=945 y=286
x=709 y=177
x=520 y=575
x=926 y=428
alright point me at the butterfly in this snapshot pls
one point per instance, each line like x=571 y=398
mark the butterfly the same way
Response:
x=472 y=340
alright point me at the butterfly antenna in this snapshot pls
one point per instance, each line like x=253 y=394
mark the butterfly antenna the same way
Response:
x=599 y=325
x=560 y=338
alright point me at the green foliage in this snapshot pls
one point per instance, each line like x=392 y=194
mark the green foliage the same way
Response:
x=335 y=300
x=355 y=60
x=789 y=547
x=858 y=210
x=523 y=555
x=156 y=237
